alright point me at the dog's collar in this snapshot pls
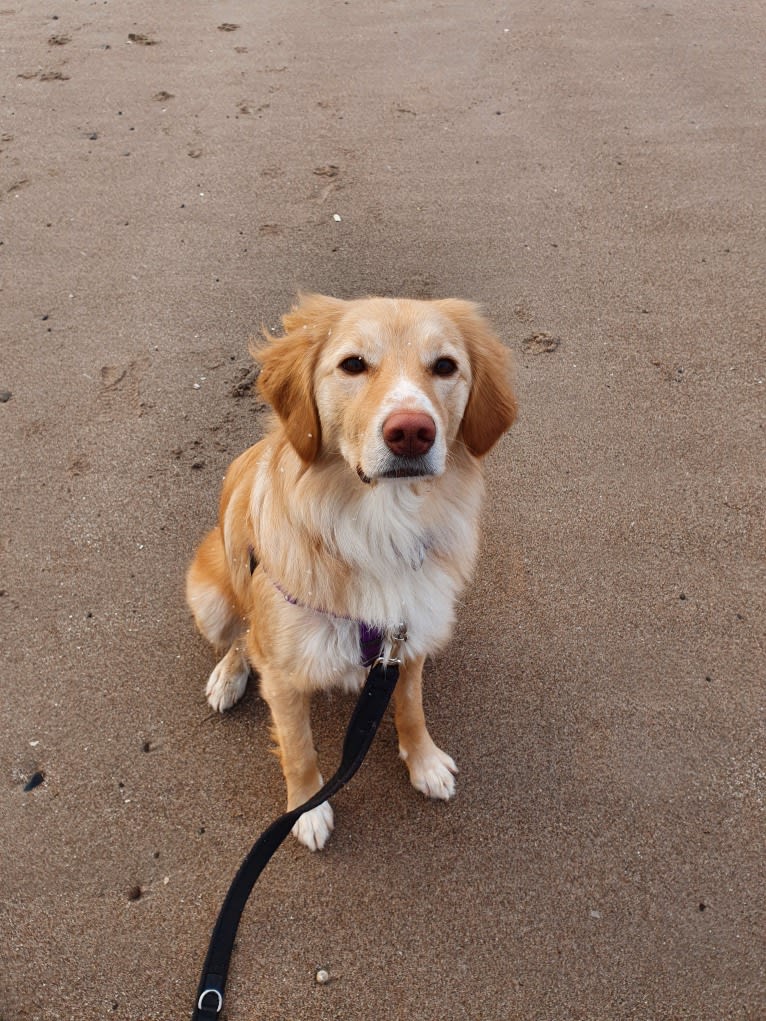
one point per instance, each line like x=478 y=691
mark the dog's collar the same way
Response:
x=371 y=638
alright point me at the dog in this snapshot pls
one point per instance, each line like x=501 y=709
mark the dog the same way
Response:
x=357 y=512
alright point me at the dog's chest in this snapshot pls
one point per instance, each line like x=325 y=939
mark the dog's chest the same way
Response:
x=384 y=555
x=328 y=648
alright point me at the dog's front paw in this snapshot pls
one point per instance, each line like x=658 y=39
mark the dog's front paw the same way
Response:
x=226 y=684
x=432 y=773
x=314 y=828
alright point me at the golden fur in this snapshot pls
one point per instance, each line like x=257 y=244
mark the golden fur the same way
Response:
x=361 y=504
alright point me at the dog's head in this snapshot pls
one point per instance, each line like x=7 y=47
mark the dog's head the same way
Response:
x=389 y=384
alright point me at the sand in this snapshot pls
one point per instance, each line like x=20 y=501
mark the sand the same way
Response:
x=593 y=174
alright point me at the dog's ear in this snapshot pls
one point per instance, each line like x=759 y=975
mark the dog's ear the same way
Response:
x=287 y=363
x=491 y=407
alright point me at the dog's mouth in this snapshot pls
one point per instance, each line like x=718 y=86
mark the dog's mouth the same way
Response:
x=406 y=468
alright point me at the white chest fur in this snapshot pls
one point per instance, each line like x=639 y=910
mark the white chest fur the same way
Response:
x=403 y=548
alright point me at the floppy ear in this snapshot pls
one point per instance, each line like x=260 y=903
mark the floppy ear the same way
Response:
x=286 y=379
x=491 y=407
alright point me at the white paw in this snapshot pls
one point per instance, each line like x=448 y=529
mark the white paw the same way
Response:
x=432 y=773
x=314 y=828
x=226 y=685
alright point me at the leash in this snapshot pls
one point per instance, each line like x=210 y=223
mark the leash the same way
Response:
x=367 y=714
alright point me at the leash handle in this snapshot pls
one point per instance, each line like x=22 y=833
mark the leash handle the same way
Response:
x=365 y=719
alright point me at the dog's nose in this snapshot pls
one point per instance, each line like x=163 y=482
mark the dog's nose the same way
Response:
x=409 y=433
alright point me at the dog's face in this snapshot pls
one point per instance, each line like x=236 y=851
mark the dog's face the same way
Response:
x=390 y=385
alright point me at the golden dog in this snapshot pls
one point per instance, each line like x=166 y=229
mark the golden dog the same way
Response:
x=359 y=510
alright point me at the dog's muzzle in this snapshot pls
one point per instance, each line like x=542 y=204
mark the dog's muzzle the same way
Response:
x=400 y=468
x=409 y=439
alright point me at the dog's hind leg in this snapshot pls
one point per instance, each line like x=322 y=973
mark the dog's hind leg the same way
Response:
x=211 y=598
x=226 y=684
x=210 y=594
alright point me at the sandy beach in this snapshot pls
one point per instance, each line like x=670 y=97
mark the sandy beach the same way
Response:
x=592 y=174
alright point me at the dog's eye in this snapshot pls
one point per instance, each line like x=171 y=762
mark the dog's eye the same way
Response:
x=353 y=366
x=444 y=367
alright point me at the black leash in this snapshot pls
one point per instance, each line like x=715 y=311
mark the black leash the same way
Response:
x=367 y=714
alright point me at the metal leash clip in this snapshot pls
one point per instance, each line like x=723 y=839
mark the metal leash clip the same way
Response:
x=392 y=659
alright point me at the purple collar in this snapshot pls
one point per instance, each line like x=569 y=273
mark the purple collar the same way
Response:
x=371 y=638
x=370 y=642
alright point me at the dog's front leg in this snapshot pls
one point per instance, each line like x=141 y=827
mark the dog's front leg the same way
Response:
x=290 y=714
x=431 y=770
